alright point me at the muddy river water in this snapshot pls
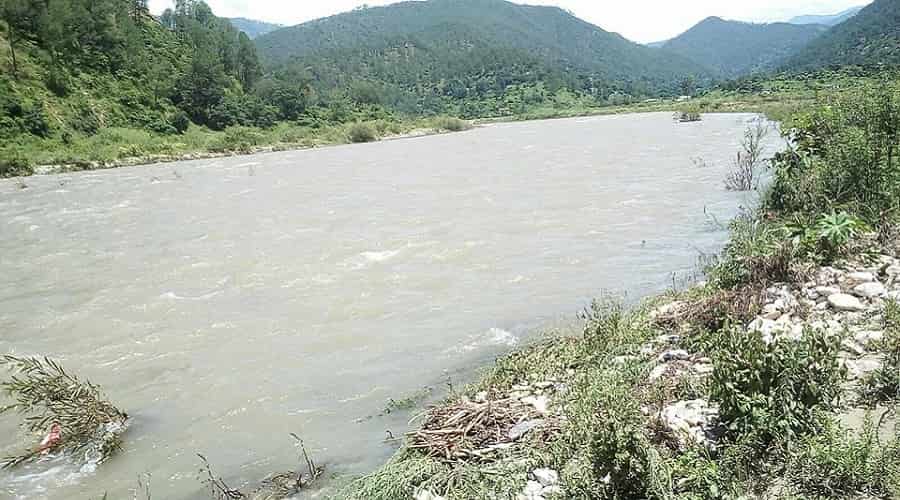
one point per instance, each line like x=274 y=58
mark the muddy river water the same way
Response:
x=227 y=303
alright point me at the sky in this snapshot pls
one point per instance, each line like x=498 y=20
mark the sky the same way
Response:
x=639 y=20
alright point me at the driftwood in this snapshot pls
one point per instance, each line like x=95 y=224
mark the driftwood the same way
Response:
x=474 y=431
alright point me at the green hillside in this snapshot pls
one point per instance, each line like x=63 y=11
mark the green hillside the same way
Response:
x=871 y=39
x=252 y=28
x=733 y=49
x=417 y=54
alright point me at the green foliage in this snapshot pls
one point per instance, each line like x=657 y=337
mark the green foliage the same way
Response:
x=827 y=237
x=771 y=393
x=689 y=114
x=428 y=57
x=15 y=166
x=845 y=157
x=755 y=254
x=869 y=39
x=836 y=464
x=451 y=124
x=239 y=139
x=361 y=132
x=734 y=48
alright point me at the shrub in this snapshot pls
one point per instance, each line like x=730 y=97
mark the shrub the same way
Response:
x=827 y=237
x=239 y=139
x=15 y=165
x=451 y=124
x=745 y=171
x=58 y=81
x=180 y=121
x=689 y=115
x=845 y=156
x=35 y=122
x=770 y=392
x=361 y=132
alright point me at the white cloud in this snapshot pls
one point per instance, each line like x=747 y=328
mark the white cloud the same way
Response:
x=639 y=20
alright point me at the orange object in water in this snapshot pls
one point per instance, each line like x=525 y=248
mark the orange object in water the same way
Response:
x=51 y=440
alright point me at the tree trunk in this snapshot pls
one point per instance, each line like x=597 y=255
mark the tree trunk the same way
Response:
x=12 y=53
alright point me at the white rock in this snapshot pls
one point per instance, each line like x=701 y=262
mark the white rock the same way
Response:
x=844 y=302
x=771 y=311
x=540 y=403
x=674 y=355
x=523 y=428
x=870 y=289
x=861 y=277
x=547 y=477
x=668 y=339
x=702 y=368
x=852 y=347
x=657 y=372
x=893 y=270
x=690 y=421
x=859 y=368
x=826 y=291
x=865 y=338
x=894 y=295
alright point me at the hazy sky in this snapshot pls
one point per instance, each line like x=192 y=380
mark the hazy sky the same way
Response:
x=639 y=20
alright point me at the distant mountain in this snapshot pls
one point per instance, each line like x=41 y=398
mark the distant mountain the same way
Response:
x=733 y=48
x=253 y=29
x=869 y=39
x=463 y=48
x=656 y=45
x=832 y=20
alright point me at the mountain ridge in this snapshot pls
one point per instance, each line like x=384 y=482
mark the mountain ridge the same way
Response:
x=735 y=48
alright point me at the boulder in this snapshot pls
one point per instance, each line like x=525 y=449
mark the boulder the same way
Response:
x=674 y=355
x=691 y=422
x=861 y=277
x=547 y=477
x=844 y=302
x=869 y=290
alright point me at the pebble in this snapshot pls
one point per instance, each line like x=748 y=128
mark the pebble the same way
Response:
x=861 y=277
x=523 y=428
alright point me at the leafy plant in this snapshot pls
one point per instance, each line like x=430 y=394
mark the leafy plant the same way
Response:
x=49 y=396
x=835 y=230
x=771 y=391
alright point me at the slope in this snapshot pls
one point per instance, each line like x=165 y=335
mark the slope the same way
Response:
x=253 y=28
x=827 y=20
x=870 y=39
x=461 y=47
x=733 y=48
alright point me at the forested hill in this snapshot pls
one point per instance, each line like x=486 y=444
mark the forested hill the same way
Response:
x=733 y=48
x=252 y=28
x=870 y=39
x=78 y=66
x=470 y=48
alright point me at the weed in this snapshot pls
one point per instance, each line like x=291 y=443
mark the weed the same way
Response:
x=361 y=132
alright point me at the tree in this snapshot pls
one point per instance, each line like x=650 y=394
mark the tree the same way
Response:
x=22 y=19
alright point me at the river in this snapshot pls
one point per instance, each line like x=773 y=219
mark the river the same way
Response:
x=227 y=303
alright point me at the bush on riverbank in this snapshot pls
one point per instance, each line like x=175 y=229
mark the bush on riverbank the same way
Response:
x=688 y=400
x=362 y=132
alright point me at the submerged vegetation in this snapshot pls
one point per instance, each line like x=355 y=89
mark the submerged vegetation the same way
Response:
x=73 y=413
x=737 y=387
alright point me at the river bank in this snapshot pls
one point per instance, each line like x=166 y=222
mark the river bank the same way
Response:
x=777 y=378
x=776 y=98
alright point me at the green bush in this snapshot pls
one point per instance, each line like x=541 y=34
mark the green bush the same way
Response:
x=845 y=157
x=884 y=383
x=770 y=392
x=361 y=132
x=180 y=121
x=15 y=165
x=824 y=238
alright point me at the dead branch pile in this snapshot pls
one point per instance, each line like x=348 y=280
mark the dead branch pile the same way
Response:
x=473 y=431
x=711 y=313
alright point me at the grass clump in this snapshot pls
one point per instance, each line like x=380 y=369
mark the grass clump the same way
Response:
x=883 y=384
x=689 y=114
x=239 y=139
x=450 y=124
x=16 y=165
x=361 y=132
